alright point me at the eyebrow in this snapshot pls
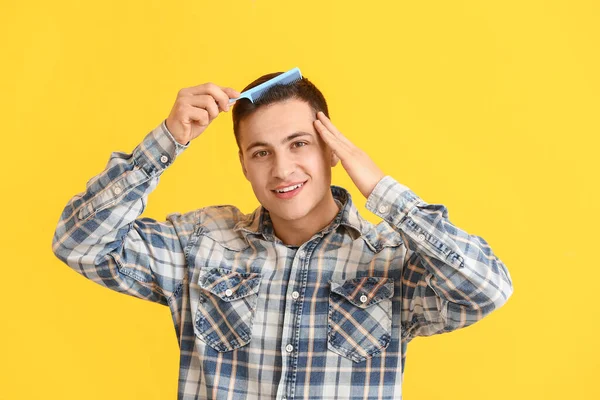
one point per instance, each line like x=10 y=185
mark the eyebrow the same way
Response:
x=287 y=139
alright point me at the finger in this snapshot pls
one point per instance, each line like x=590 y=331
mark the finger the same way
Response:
x=213 y=109
x=217 y=92
x=323 y=131
x=327 y=136
x=326 y=121
x=232 y=93
x=206 y=102
x=330 y=133
x=334 y=131
x=199 y=115
x=342 y=148
x=219 y=95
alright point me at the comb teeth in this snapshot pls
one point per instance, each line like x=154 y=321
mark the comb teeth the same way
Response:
x=255 y=96
x=257 y=92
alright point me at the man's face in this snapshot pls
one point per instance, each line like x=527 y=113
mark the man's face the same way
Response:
x=279 y=149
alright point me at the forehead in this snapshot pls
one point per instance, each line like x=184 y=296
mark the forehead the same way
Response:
x=275 y=121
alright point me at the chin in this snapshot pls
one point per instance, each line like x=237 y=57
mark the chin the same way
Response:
x=288 y=213
x=293 y=216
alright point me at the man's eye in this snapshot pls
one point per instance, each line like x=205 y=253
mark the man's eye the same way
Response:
x=261 y=153
x=300 y=144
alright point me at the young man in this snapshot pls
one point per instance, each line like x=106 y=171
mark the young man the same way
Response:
x=302 y=298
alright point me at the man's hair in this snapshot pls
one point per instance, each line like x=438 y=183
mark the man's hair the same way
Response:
x=302 y=90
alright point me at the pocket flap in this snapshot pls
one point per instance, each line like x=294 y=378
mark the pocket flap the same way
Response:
x=229 y=285
x=366 y=291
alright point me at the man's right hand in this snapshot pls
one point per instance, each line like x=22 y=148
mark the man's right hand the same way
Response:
x=195 y=108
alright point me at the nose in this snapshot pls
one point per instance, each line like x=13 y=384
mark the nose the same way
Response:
x=283 y=166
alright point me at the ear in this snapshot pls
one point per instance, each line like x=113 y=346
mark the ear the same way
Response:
x=242 y=163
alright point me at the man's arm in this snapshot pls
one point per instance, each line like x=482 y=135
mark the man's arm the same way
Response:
x=451 y=279
x=99 y=236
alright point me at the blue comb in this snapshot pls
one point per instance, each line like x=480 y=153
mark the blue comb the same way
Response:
x=256 y=92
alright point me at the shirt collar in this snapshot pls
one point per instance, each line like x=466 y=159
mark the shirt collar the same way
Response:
x=259 y=222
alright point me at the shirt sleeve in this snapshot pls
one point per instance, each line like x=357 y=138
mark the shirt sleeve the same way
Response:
x=450 y=278
x=100 y=236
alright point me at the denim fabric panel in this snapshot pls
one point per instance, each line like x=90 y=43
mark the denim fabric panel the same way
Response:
x=226 y=308
x=360 y=317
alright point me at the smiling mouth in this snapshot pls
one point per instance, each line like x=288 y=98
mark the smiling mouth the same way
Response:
x=289 y=188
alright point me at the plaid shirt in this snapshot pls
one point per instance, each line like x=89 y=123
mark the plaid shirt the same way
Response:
x=258 y=319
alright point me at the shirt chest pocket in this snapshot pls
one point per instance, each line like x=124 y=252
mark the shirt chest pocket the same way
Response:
x=226 y=308
x=360 y=317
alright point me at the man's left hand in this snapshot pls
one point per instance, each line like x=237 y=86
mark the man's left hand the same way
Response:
x=362 y=170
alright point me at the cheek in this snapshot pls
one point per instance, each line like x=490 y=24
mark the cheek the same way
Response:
x=316 y=161
x=257 y=176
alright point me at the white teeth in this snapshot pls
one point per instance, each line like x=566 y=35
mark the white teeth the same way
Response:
x=290 y=188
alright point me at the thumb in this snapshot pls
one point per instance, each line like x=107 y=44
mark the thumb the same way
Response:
x=232 y=93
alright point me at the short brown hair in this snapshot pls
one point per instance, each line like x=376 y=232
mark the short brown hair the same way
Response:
x=302 y=90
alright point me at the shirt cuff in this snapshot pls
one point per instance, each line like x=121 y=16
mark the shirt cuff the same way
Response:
x=157 y=150
x=392 y=201
x=180 y=146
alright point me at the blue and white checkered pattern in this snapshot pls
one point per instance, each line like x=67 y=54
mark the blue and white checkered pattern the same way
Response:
x=258 y=319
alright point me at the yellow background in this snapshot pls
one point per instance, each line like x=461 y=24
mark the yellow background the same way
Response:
x=490 y=108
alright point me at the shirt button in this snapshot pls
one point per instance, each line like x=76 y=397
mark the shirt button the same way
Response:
x=117 y=190
x=421 y=237
x=164 y=159
x=363 y=299
x=289 y=348
x=228 y=292
x=383 y=208
x=302 y=253
x=295 y=295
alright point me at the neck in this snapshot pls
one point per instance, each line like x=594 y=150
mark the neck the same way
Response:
x=297 y=232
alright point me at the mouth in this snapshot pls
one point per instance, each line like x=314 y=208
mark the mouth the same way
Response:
x=289 y=192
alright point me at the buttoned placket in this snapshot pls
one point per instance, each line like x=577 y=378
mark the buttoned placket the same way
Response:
x=292 y=319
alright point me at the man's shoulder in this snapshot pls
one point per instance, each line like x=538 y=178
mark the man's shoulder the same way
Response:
x=379 y=234
x=215 y=217
x=216 y=222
